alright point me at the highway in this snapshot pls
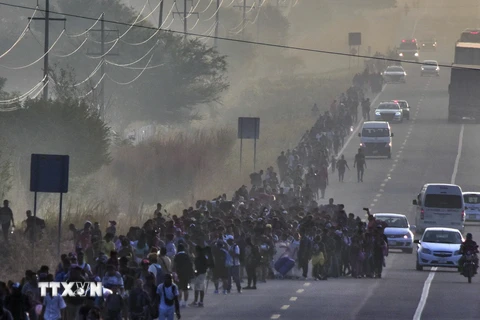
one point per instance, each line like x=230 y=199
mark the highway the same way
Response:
x=425 y=149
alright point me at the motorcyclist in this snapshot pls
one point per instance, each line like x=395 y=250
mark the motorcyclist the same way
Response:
x=468 y=245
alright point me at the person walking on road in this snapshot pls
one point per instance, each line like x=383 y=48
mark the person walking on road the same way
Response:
x=6 y=219
x=341 y=166
x=366 y=109
x=360 y=164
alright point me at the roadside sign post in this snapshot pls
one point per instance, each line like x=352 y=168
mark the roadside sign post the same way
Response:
x=49 y=173
x=354 y=43
x=249 y=128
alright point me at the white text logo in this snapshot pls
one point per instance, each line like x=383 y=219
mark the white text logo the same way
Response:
x=72 y=289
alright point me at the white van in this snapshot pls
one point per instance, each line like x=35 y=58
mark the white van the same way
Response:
x=376 y=139
x=440 y=205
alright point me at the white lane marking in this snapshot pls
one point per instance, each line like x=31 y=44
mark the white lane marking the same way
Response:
x=306 y=284
x=275 y=316
x=300 y=290
x=285 y=307
x=378 y=195
x=428 y=282
x=372 y=205
x=381 y=190
x=360 y=123
x=425 y=291
x=375 y=200
x=459 y=154
x=293 y=299
x=383 y=185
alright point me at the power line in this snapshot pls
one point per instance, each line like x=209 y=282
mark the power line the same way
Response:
x=263 y=44
x=47 y=20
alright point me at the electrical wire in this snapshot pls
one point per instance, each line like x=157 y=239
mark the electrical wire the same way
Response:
x=41 y=89
x=148 y=68
x=22 y=35
x=31 y=64
x=209 y=31
x=136 y=78
x=204 y=39
x=151 y=12
x=86 y=31
x=91 y=74
x=16 y=99
x=130 y=27
x=192 y=10
x=211 y=1
x=154 y=34
x=178 y=10
x=215 y=13
x=195 y=24
x=94 y=87
x=250 y=42
x=136 y=61
x=73 y=52
x=107 y=52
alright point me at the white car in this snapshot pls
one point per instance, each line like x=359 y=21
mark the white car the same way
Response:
x=389 y=111
x=430 y=68
x=472 y=206
x=439 y=247
x=398 y=231
x=394 y=74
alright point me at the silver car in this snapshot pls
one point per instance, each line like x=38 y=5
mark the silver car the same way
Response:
x=439 y=247
x=398 y=231
x=472 y=206
x=389 y=111
x=430 y=68
x=394 y=74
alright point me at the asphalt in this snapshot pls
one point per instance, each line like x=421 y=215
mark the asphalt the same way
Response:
x=425 y=149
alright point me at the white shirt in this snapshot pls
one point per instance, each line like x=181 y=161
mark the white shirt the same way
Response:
x=236 y=257
x=153 y=269
x=170 y=295
x=53 y=307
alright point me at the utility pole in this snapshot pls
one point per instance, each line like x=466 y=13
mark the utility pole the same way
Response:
x=160 y=15
x=185 y=14
x=217 y=21
x=47 y=45
x=244 y=19
x=102 y=68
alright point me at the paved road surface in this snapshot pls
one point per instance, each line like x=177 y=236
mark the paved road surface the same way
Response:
x=425 y=149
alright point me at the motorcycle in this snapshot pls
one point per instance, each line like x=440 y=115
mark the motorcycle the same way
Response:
x=469 y=266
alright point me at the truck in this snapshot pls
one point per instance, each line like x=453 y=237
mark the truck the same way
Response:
x=464 y=96
x=467 y=53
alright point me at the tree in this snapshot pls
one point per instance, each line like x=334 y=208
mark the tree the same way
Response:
x=60 y=127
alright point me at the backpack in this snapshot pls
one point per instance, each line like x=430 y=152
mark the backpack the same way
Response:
x=160 y=276
x=228 y=259
x=168 y=302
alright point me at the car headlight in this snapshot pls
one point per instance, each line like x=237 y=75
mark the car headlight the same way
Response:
x=407 y=236
x=400 y=54
x=437 y=68
x=398 y=113
x=416 y=54
x=434 y=44
x=423 y=68
x=377 y=113
x=426 y=251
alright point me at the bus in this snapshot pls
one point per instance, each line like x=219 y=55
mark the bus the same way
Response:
x=470 y=35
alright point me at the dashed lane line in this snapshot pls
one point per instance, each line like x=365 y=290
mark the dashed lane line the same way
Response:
x=306 y=284
x=300 y=290
x=275 y=316
x=293 y=299
x=285 y=307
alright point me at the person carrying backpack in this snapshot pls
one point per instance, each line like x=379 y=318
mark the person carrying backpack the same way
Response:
x=167 y=297
x=234 y=253
x=156 y=269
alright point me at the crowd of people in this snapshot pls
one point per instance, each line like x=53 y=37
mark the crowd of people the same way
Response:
x=233 y=243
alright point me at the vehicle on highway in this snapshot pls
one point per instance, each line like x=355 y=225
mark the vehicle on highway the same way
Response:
x=408 y=50
x=472 y=206
x=467 y=53
x=405 y=108
x=439 y=247
x=398 y=231
x=470 y=35
x=428 y=44
x=376 y=139
x=430 y=68
x=389 y=111
x=439 y=205
x=469 y=266
x=463 y=93
x=394 y=74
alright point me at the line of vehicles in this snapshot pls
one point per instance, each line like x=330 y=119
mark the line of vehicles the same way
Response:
x=440 y=214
